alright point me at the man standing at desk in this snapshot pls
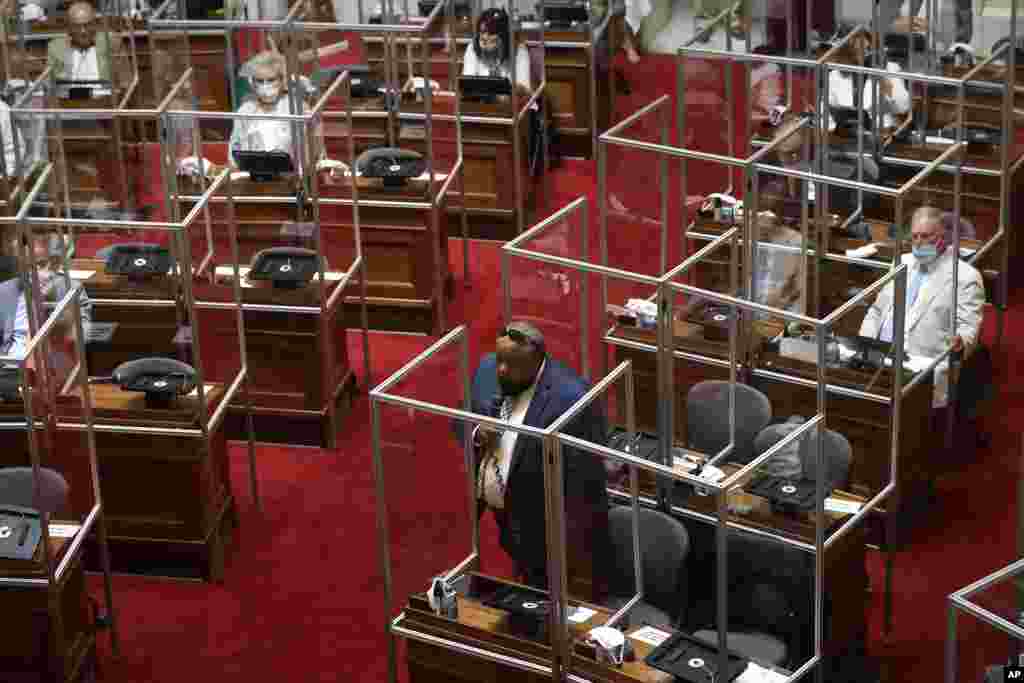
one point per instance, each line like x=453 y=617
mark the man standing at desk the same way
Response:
x=523 y=385
x=84 y=55
x=929 y=323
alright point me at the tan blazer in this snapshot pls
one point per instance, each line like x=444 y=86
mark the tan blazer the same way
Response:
x=929 y=323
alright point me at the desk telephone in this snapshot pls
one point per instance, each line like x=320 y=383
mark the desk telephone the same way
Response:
x=161 y=379
x=285 y=267
x=137 y=259
x=20 y=532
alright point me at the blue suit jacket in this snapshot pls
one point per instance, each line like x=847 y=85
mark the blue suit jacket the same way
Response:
x=586 y=496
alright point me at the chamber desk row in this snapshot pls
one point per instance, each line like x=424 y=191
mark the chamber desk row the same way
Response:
x=167 y=498
x=489 y=152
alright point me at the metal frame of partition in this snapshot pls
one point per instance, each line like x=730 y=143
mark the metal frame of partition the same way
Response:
x=39 y=337
x=330 y=304
x=180 y=246
x=667 y=286
x=57 y=114
x=435 y=196
x=549 y=436
x=960 y=601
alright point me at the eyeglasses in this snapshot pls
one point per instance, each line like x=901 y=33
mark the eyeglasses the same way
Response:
x=518 y=336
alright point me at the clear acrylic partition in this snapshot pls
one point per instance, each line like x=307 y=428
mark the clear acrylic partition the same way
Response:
x=552 y=296
x=427 y=503
x=52 y=407
x=986 y=627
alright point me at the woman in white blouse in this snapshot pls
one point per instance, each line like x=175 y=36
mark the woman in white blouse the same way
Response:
x=489 y=53
x=894 y=98
x=267 y=76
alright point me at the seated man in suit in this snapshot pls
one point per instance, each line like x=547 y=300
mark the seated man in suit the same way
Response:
x=14 y=322
x=522 y=384
x=84 y=54
x=931 y=326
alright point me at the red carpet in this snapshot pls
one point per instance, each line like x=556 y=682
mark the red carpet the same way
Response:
x=303 y=597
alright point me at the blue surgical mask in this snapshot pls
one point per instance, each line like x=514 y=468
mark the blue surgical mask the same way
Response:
x=925 y=253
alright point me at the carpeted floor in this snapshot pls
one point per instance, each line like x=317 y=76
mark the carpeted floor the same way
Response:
x=303 y=600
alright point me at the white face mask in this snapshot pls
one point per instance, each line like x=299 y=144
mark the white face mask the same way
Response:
x=266 y=90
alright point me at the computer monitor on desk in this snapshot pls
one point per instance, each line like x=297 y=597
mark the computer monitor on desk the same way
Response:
x=264 y=166
x=565 y=13
x=82 y=89
x=484 y=88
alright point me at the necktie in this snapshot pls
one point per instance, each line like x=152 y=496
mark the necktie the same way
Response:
x=913 y=289
x=492 y=462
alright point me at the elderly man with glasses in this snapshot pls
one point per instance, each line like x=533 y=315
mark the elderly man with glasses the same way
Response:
x=931 y=326
x=521 y=384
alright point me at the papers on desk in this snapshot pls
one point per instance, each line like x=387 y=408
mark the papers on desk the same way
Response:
x=81 y=274
x=848 y=507
x=937 y=140
x=207 y=388
x=240 y=175
x=867 y=251
x=581 y=615
x=650 y=635
x=755 y=673
x=58 y=530
x=913 y=363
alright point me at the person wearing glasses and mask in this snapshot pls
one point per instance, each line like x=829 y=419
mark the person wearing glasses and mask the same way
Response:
x=490 y=51
x=84 y=54
x=14 y=321
x=931 y=326
x=268 y=77
x=522 y=384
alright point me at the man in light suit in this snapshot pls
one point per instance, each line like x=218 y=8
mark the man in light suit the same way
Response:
x=84 y=54
x=931 y=327
x=522 y=384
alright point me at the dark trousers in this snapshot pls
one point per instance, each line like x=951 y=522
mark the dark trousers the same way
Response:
x=527 y=573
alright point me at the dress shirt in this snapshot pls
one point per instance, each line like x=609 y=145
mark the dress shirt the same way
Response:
x=16 y=330
x=918 y=276
x=505 y=448
x=7 y=133
x=474 y=66
x=842 y=93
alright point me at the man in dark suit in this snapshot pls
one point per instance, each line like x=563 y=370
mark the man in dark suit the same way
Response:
x=522 y=384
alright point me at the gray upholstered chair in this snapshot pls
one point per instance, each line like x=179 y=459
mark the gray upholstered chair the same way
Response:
x=801 y=462
x=664 y=544
x=707 y=418
x=18 y=488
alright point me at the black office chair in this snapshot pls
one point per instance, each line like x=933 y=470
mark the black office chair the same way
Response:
x=770 y=605
x=664 y=544
x=707 y=418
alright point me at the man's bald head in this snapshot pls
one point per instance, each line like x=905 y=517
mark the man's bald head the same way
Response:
x=82 y=25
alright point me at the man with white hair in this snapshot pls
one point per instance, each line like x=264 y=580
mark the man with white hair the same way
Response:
x=930 y=324
x=84 y=54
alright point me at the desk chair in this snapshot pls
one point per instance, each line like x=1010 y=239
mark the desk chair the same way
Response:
x=664 y=544
x=801 y=461
x=770 y=611
x=17 y=487
x=707 y=418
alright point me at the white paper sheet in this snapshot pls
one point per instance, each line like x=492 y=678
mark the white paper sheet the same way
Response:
x=849 y=507
x=81 y=274
x=650 y=635
x=581 y=615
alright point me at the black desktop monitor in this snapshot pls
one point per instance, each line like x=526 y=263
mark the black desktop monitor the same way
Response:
x=78 y=89
x=846 y=118
x=263 y=166
x=565 y=13
x=204 y=9
x=898 y=45
x=461 y=8
x=484 y=88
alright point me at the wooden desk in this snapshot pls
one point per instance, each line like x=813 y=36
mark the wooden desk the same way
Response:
x=566 y=68
x=845 y=577
x=301 y=383
x=138 y=332
x=864 y=423
x=46 y=640
x=488 y=152
x=482 y=627
x=165 y=497
x=93 y=151
x=398 y=245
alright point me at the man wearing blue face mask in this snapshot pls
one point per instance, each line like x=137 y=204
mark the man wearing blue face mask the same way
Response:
x=930 y=324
